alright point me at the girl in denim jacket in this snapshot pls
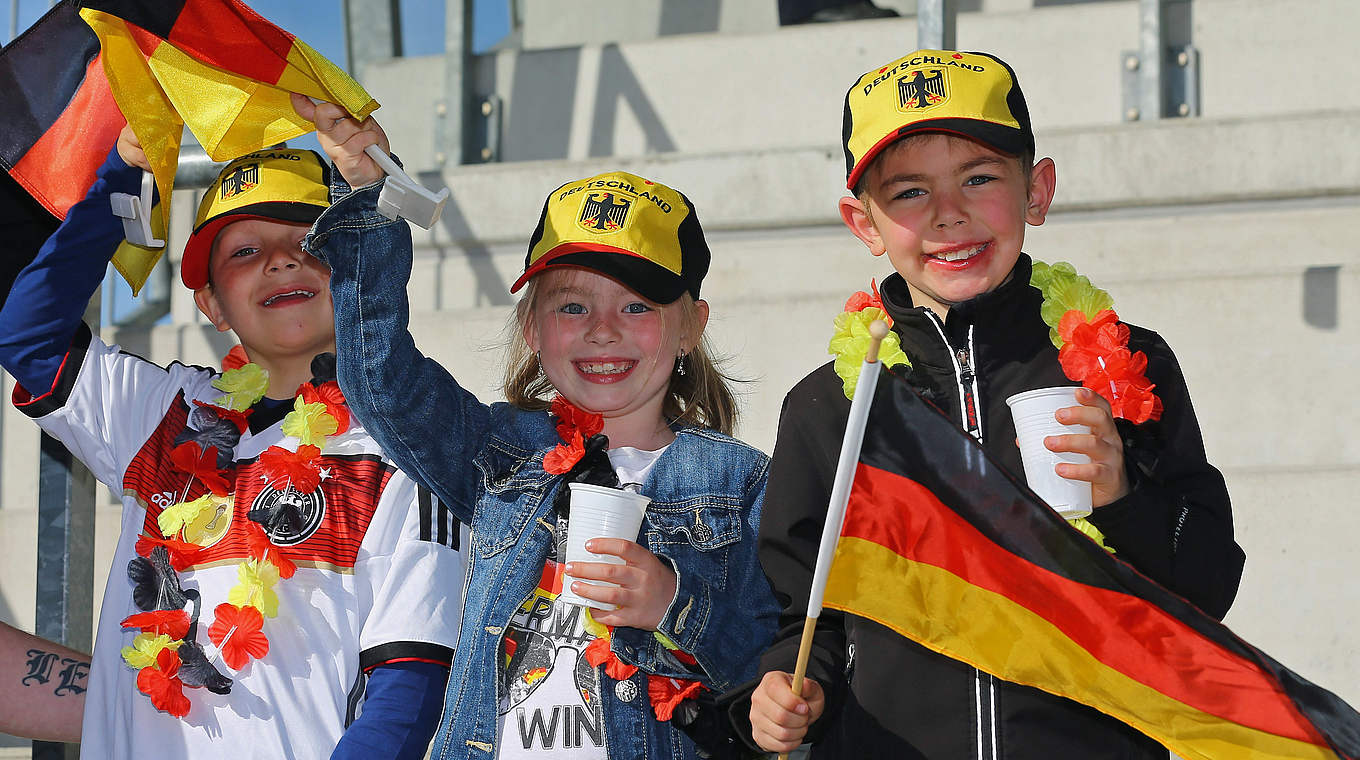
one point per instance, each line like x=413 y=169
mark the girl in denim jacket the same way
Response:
x=609 y=382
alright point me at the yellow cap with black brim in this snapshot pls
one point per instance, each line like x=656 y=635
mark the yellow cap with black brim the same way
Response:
x=279 y=184
x=974 y=95
x=639 y=232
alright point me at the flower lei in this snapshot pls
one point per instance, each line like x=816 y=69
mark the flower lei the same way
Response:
x=1093 y=347
x=166 y=652
x=574 y=426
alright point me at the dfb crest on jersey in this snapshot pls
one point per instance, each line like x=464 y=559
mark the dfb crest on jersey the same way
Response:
x=240 y=180
x=288 y=515
x=922 y=88
x=605 y=212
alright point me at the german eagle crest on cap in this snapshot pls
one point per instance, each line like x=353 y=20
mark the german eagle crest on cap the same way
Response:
x=241 y=179
x=604 y=212
x=922 y=88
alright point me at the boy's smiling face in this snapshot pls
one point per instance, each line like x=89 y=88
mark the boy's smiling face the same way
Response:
x=950 y=213
x=270 y=292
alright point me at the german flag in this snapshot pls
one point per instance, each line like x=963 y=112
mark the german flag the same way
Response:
x=58 y=121
x=217 y=67
x=945 y=547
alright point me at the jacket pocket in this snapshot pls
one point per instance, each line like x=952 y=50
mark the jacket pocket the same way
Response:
x=696 y=535
x=505 y=511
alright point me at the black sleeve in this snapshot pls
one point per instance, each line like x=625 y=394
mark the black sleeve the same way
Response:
x=811 y=425
x=1175 y=525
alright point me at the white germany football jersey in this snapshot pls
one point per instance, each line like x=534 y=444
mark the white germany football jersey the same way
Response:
x=380 y=568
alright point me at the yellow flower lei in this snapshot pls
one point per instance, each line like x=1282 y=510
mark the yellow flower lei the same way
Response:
x=310 y=423
x=1063 y=291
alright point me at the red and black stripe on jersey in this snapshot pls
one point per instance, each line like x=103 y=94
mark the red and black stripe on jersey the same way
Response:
x=351 y=489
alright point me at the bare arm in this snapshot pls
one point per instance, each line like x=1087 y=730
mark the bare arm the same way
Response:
x=42 y=687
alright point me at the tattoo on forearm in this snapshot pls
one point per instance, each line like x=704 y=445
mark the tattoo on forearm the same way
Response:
x=69 y=673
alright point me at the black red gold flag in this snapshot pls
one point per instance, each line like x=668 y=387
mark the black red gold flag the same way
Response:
x=58 y=120
x=217 y=67
x=948 y=549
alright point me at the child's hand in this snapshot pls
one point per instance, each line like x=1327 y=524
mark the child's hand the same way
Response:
x=1106 y=473
x=646 y=585
x=130 y=150
x=344 y=139
x=780 y=720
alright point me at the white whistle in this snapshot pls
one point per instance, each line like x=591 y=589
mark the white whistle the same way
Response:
x=136 y=214
x=403 y=196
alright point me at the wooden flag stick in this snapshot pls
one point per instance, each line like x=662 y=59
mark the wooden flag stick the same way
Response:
x=840 y=496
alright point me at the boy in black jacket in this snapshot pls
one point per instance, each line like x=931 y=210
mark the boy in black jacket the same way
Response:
x=940 y=158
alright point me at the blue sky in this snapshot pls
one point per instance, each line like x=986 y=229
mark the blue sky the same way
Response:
x=319 y=22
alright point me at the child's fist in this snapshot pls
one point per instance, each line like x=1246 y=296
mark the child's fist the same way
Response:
x=779 y=719
x=344 y=139
x=646 y=585
x=1109 y=482
x=130 y=150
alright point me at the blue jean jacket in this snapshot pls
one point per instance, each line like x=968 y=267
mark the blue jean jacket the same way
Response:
x=486 y=463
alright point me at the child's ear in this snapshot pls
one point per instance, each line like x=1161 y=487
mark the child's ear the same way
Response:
x=207 y=303
x=695 y=331
x=530 y=332
x=856 y=216
x=1043 y=181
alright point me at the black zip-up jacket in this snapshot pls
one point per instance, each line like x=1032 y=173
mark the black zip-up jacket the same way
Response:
x=888 y=697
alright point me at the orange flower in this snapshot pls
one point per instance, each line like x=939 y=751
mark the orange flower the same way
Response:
x=182 y=553
x=173 y=623
x=1096 y=354
x=859 y=301
x=235 y=358
x=237 y=633
x=666 y=694
x=189 y=457
x=262 y=549
x=300 y=468
x=328 y=393
x=572 y=419
x=163 y=685
x=565 y=455
x=598 y=653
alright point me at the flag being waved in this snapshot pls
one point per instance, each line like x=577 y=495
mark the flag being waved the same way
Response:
x=58 y=120
x=945 y=548
x=217 y=67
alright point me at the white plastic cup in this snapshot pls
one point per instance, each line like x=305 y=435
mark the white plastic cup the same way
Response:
x=599 y=512
x=1034 y=414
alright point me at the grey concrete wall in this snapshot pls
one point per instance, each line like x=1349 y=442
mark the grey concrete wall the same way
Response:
x=1233 y=235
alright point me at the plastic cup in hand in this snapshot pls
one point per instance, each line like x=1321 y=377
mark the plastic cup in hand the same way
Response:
x=599 y=512
x=1034 y=414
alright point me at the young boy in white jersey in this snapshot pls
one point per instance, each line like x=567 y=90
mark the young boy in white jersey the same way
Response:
x=279 y=588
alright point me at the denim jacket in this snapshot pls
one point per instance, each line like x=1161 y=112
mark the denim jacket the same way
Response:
x=486 y=464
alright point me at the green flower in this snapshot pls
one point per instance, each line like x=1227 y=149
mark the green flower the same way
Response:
x=244 y=386
x=256 y=587
x=1065 y=290
x=173 y=518
x=146 y=647
x=850 y=344
x=309 y=423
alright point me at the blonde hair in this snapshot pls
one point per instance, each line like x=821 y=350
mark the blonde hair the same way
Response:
x=701 y=396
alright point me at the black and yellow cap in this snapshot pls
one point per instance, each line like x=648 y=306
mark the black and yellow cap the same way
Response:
x=975 y=95
x=639 y=232
x=279 y=184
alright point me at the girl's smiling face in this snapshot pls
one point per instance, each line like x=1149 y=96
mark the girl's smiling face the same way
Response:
x=608 y=350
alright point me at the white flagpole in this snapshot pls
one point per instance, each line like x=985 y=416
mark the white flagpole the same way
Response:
x=840 y=496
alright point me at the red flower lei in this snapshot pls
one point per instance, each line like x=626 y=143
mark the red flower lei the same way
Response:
x=237 y=630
